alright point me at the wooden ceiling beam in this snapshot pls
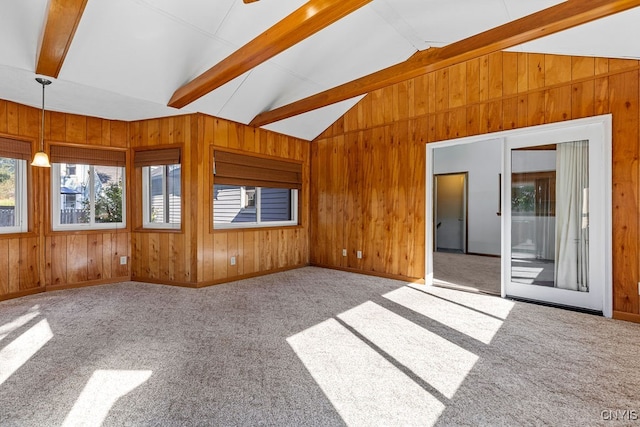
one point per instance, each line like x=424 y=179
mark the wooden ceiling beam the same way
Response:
x=60 y=26
x=302 y=23
x=545 y=22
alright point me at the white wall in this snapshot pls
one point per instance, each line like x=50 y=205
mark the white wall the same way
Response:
x=482 y=160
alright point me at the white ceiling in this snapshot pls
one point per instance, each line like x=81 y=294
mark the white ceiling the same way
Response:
x=129 y=56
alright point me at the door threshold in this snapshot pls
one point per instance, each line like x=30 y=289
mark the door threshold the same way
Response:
x=560 y=306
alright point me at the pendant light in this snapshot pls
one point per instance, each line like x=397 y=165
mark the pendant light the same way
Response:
x=41 y=159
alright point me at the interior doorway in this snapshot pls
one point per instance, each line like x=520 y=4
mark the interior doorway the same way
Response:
x=466 y=200
x=450 y=204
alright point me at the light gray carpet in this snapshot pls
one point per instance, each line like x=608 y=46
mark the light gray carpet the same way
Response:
x=309 y=347
x=470 y=272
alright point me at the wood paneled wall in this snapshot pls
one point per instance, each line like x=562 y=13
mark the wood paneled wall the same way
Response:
x=167 y=256
x=368 y=167
x=42 y=259
x=259 y=250
x=197 y=255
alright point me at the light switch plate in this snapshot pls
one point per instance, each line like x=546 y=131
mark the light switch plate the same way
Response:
x=123 y=260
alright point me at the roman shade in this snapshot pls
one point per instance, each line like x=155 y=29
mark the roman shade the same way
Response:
x=87 y=156
x=240 y=169
x=164 y=156
x=15 y=149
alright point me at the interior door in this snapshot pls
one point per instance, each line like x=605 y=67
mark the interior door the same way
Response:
x=450 y=202
x=554 y=236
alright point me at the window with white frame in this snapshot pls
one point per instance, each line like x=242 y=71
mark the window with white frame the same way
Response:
x=271 y=206
x=13 y=185
x=161 y=187
x=88 y=188
x=161 y=196
x=253 y=191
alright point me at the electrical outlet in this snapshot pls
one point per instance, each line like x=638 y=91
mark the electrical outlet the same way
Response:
x=359 y=254
x=123 y=260
x=344 y=252
x=233 y=260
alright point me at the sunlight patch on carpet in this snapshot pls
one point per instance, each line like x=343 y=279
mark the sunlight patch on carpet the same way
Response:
x=20 y=350
x=437 y=361
x=363 y=386
x=18 y=322
x=467 y=321
x=489 y=304
x=101 y=392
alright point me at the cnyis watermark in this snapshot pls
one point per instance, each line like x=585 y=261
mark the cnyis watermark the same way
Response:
x=620 y=415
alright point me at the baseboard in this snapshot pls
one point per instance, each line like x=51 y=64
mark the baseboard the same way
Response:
x=22 y=293
x=629 y=317
x=248 y=276
x=372 y=273
x=206 y=283
x=146 y=280
x=49 y=288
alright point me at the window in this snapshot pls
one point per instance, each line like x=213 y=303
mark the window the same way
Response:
x=254 y=192
x=161 y=187
x=13 y=185
x=248 y=198
x=272 y=206
x=161 y=196
x=88 y=188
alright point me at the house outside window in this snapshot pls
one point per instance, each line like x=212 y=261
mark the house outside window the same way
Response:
x=270 y=206
x=248 y=198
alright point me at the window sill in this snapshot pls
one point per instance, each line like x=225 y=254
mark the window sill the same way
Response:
x=158 y=230
x=88 y=231
x=253 y=228
x=18 y=235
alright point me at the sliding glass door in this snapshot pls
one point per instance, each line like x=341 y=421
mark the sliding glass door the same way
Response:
x=554 y=218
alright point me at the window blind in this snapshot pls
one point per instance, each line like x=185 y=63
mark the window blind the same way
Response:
x=164 y=156
x=240 y=169
x=87 y=156
x=15 y=149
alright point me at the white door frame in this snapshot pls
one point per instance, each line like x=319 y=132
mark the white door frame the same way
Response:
x=604 y=121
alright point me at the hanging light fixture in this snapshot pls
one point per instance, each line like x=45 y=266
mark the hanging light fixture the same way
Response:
x=41 y=159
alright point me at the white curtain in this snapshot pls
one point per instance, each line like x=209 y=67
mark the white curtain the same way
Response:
x=544 y=222
x=572 y=216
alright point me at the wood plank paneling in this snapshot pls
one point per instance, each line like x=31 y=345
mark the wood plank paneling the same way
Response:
x=14 y=266
x=94 y=257
x=500 y=91
x=41 y=257
x=623 y=98
x=196 y=255
x=4 y=267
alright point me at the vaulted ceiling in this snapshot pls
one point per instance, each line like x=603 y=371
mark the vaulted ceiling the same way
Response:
x=130 y=59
